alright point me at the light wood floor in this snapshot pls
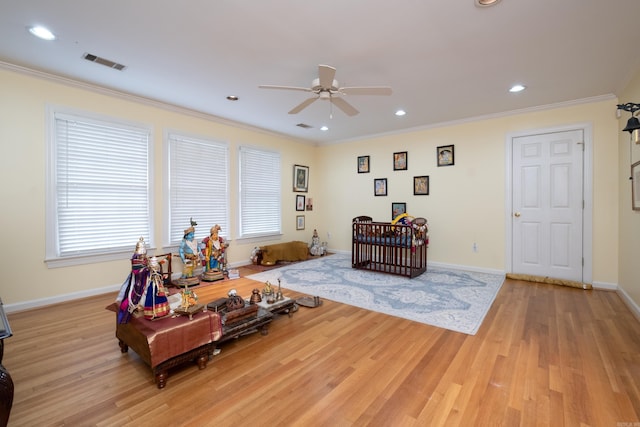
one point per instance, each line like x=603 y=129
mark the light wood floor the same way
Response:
x=545 y=355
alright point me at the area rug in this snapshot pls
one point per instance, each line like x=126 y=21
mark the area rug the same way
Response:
x=453 y=299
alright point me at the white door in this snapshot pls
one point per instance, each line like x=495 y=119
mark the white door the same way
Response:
x=547 y=205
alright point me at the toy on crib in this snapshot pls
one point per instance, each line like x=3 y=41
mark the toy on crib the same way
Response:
x=402 y=219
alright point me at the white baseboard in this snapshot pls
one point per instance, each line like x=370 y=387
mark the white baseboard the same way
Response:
x=41 y=302
x=635 y=308
x=464 y=268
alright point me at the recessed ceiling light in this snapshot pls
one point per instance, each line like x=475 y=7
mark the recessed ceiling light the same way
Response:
x=42 y=33
x=324 y=128
x=232 y=98
x=400 y=113
x=486 y=3
x=517 y=88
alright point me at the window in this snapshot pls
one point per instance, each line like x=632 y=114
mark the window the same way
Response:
x=259 y=193
x=98 y=200
x=198 y=186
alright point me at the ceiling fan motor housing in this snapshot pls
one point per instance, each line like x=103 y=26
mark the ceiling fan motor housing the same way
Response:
x=317 y=87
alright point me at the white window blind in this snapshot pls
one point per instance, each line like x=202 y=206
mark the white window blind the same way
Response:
x=99 y=192
x=260 y=188
x=198 y=186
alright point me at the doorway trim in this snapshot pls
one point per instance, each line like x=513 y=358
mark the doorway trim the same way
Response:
x=587 y=185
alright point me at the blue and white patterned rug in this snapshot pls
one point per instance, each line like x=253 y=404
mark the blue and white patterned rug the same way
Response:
x=452 y=299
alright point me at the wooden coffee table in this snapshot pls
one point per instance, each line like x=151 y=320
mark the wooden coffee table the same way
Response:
x=170 y=341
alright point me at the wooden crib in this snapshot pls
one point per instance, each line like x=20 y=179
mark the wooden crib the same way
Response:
x=385 y=247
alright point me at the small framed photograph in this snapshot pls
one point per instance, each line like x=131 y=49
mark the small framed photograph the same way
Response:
x=299 y=203
x=300 y=222
x=380 y=187
x=300 y=178
x=363 y=164
x=400 y=161
x=421 y=185
x=397 y=208
x=445 y=155
x=635 y=186
x=309 y=204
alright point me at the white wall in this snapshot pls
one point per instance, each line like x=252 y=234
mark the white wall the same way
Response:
x=629 y=230
x=465 y=205
x=25 y=276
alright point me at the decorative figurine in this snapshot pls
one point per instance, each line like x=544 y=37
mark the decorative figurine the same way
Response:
x=279 y=293
x=190 y=257
x=189 y=298
x=213 y=251
x=130 y=295
x=268 y=289
x=234 y=302
x=315 y=248
x=255 y=296
x=156 y=304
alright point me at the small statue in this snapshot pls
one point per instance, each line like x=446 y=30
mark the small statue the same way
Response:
x=279 y=293
x=268 y=289
x=189 y=298
x=315 y=248
x=189 y=252
x=213 y=251
x=156 y=304
x=129 y=298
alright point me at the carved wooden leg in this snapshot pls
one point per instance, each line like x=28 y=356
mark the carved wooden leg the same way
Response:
x=161 y=378
x=123 y=347
x=202 y=360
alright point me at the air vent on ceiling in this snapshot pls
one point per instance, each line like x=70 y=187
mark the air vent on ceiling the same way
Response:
x=304 y=126
x=105 y=62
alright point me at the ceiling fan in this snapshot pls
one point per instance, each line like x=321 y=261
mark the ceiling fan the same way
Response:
x=325 y=87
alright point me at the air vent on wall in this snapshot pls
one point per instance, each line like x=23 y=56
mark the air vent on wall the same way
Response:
x=304 y=126
x=105 y=62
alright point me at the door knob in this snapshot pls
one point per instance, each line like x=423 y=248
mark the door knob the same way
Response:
x=517 y=214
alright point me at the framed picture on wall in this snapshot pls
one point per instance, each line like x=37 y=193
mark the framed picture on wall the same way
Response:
x=445 y=155
x=363 y=164
x=299 y=203
x=300 y=178
x=421 y=185
x=300 y=222
x=400 y=161
x=635 y=186
x=398 y=208
x=380 y=187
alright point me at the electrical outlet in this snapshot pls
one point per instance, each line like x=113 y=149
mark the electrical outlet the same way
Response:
x=475 y=247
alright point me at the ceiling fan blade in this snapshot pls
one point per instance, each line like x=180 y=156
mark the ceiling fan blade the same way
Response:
x=304 y=89
x=303 y=105
x=347 y=108
x=326 y=74
x=373 y=90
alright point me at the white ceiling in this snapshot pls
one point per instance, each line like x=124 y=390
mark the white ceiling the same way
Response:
x=445 y=60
